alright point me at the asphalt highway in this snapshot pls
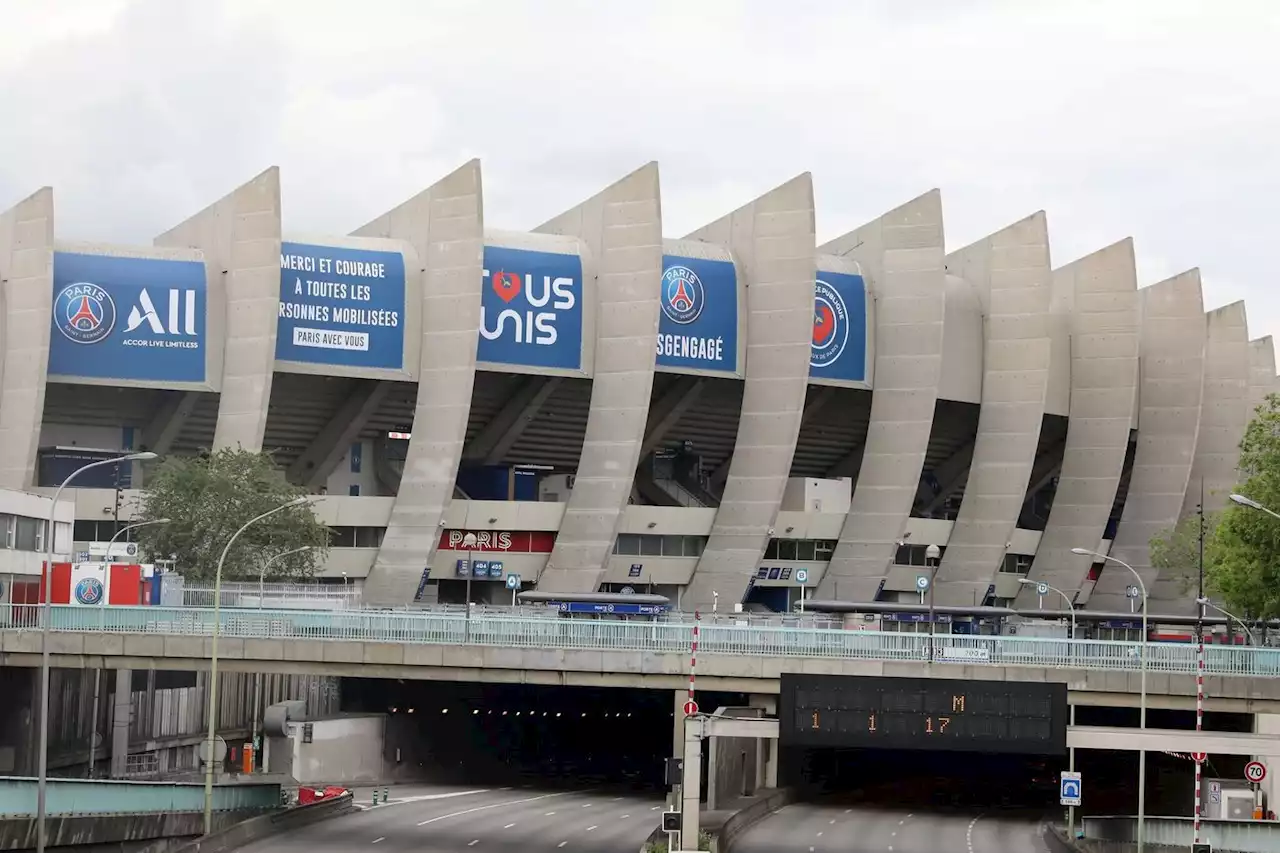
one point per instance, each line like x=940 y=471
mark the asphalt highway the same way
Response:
x=815 y=828
x=426 y=819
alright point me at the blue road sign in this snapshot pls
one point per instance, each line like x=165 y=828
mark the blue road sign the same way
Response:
x=513 y=581
x=1069 y=788
x=801 y=576
x=615 y=609
x=922 y=582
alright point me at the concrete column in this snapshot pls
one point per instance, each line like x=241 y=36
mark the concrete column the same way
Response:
x=1269 y=724
x=679 y=697
x=120 y=722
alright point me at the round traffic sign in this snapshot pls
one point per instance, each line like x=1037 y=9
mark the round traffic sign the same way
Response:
x=801 y=576
x=1199 y=757
x=690 y=708
x=1255 y=771
x=1042 y=589
x=922 y=582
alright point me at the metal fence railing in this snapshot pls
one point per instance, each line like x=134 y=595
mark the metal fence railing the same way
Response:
x=1241 y=836
x=546 y=632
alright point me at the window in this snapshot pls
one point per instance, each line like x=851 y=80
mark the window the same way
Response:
x=27 y=534
x=914 y=555
x=356 y=537
x=6 y=530
x=805 y=550
x=655 y=545
x=1017 y=564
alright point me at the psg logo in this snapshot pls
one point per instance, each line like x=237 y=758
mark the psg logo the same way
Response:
x=830 y=325
x=682 y=295
x=84 y=313
x=89 y=591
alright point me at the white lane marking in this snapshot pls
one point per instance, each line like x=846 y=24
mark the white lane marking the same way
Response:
x=587 y=805
x=508 y=826
x=379 y=838
x=473 y=843
x=615 y=799
x=819 y=834
x=901 y=822
x=562 y=843
x=425 y=797
x=810 y=850
x=589 y=828
x=846 y=811
x=491 y=806
x=655 y=808
x=831 y=822
x=969 y=833
x=893 y=834
x=548 y=814
x=624 y=817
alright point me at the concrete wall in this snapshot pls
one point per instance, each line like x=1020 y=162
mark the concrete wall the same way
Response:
x=239 y=236
x=1170 y=386
x=902 y=252
x=1012 y=273
x=26 y=299
x=343 y=751
x=623 y=228
x=1104 y=384
x=772 y=239
x=445 y=224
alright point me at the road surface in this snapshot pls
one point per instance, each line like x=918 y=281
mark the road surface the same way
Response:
x=422 y=819
x=814 y=828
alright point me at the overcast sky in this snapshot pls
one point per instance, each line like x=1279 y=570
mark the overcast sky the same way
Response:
x=1156 y=119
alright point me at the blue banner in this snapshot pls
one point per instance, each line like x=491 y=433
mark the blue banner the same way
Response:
x=531 y=309
x=139 y=319
x=699 y=324
x=614 y=609
x=839 y=328
x=341 y=306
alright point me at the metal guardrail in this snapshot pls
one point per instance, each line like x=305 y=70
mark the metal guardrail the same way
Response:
x=101 y=796
x=277 y=595
x=447 y=628
x=1239 y=836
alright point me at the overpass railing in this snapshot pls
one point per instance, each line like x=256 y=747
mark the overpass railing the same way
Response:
x=102 y=796
x=1241 y=836
x=511 y=631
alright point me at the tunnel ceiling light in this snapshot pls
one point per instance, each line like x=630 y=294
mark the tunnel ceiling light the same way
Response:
x=393 y=709
x=557 y=713
x=410 y=711
x=444 y=710
x=475 y=711
x=504 y=713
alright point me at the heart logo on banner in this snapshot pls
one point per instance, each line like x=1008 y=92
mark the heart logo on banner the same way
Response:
x=824 y=324
x=507 y=285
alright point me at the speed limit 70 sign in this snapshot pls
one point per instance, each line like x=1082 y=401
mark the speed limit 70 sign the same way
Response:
x=1255 y=771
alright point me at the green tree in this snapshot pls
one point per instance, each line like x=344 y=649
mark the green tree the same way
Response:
x=207 y=498
x=1246 y=543
x=1176 y=551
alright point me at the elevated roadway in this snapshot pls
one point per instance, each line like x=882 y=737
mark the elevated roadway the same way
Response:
x=457 y=820
x=835 y=828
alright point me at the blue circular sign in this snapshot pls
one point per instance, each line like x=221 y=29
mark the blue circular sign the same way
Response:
x=85 y=313
x=89 y=591
x=830 y=325
x=683 y=295
x=801 y=575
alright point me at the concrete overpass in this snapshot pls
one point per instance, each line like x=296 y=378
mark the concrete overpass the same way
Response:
x=507 y=649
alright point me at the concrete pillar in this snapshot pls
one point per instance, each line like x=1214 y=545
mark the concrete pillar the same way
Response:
x=679 y=697
x=1269 y=724
x=766 y=748
x=121 y=706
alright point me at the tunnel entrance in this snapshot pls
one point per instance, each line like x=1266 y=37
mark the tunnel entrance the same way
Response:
x=552 y=736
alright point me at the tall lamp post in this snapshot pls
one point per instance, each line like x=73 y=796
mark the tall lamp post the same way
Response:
x=468 y=542
x=213 y=654
x=1204 y=602
x=97 y=673
x=1071 y=708
x=262 y=575
x=43 y=748
x=932 y=557
x=1142 y=706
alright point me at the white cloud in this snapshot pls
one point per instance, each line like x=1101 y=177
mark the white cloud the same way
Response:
x=1152 y=118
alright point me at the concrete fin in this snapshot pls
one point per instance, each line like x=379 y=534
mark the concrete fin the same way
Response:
x=240 y=237
x=1170 y=389
x=1103 y=290
x=623 y=228
x=445 y=225
x=903 y=255
x=1012 y=272
x=772 y=238
x=26 y=299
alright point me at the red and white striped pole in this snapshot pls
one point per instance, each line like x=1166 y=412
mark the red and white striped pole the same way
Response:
x=693 y=655
x=1198 y=755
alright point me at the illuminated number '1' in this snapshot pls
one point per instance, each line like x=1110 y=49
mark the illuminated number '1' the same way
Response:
x=871 y=723
x=815 y=719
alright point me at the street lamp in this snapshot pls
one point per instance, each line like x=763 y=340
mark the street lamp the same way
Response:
x=97 y=673
x=1252 y=504
x=932 y=556
x=213 y=654
x=42 y=782
x=1204 y=602
x=469 y=542
x=1142 y=706
x=1071 y=752
x=262 y=575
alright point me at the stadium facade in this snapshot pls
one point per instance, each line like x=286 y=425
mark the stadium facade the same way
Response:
x=728 y=416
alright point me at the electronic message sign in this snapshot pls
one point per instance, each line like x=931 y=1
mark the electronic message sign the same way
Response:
x=923 y=713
